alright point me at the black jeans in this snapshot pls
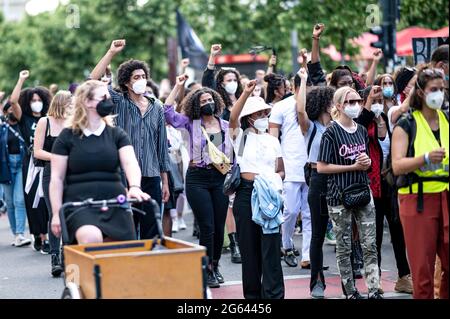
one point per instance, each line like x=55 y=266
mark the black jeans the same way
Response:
x=55 y=242
x=319 y=222
x=146 y=227
x=204 y=192
x=385 y=206
x=260 y=252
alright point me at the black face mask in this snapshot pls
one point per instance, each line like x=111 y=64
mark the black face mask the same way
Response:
x=208 y=109
x=287 y=95
x=105 y=107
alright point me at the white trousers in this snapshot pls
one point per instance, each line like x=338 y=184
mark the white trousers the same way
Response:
x=296 y=200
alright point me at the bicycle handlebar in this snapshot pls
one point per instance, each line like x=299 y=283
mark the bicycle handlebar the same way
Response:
x=114 y=202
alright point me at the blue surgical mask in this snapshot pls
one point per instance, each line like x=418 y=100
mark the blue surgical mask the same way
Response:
x=388 y=92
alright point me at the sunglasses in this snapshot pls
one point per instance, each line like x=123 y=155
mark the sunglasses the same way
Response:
x=352 y=102
x=432 y=72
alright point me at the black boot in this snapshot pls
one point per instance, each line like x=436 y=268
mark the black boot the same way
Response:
x=235 y=252
x=217 y=273
x=57 y=268
x=212 y=281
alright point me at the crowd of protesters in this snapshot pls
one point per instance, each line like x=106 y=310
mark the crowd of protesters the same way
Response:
x=251 y=155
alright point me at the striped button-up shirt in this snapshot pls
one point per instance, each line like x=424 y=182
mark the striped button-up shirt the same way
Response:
x=147 y=132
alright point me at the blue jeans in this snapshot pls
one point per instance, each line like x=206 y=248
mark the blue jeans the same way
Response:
x=15 y=202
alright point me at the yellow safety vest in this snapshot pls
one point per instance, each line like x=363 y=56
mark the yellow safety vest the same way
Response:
x=424 y=142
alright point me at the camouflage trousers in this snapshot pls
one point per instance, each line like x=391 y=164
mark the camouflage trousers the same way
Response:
x=342 y=227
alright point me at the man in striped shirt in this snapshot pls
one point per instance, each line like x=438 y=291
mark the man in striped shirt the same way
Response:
x=142 y=118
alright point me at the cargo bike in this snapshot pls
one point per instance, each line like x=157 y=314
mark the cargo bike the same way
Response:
x=160 y=268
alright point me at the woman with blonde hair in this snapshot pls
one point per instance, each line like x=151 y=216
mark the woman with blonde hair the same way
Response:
x=343 y=155
x=47 y=130
x=86 y=161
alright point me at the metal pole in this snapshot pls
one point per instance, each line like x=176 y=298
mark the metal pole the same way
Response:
x=294 y=51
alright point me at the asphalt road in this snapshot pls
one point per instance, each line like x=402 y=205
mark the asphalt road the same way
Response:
x=25 y=273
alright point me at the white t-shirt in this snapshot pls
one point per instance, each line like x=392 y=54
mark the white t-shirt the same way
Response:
x=389 y=115
x=293 y=147
x=259 y=154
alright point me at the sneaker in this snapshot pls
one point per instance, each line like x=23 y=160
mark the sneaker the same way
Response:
x=45 y=249
x=175 y=226
x=21 y=241
x=296 y=252
x=290 y=259
x=57 y=268
x=298 y=231
x=2 y=207
x=37 y=243
x=318 y=291
x=356 y=295
x=376 y=295
x=330 y=237
x=181 y=224
x=404 y=284
x=212 y=280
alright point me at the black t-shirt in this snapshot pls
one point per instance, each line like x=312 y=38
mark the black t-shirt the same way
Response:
x=405 y=124
x=13 y=141
x=27 y=126
x=91 y=156
x=340 y=147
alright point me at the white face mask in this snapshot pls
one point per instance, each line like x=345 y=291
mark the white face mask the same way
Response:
x=261 y=124
x=231 y=87
x=37 y=106
x=139 y=86
x=377 y=108
x=434 y=100
x=352 y=111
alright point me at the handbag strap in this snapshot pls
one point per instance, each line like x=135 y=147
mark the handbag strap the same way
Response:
x=212 y=146
x=313 y=134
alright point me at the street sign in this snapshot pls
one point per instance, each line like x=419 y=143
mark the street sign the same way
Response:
x=423 y=48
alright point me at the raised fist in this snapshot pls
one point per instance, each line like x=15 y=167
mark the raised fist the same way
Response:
x=216 y=49
x=117 y=46
x=24 y=74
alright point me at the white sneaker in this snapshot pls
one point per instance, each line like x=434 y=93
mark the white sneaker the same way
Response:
x=181 y=224
x=21 y=241
x=175 y=226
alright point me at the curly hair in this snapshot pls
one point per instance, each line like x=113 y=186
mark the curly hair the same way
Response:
x=221 y=90
x=274 y=81
x=318 y=100
x=191 y=103
x=126 y=69
x=26 y=96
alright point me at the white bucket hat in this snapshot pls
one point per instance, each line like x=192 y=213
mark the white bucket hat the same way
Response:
x=254 y=104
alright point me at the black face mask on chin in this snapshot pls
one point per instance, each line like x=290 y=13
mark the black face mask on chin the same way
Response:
x=105 y=107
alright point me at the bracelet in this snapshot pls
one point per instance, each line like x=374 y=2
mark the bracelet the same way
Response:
x=427 y=158
x=316 y=38
x=137 y=186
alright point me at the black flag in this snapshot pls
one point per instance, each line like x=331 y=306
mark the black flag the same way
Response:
x=190 y=44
